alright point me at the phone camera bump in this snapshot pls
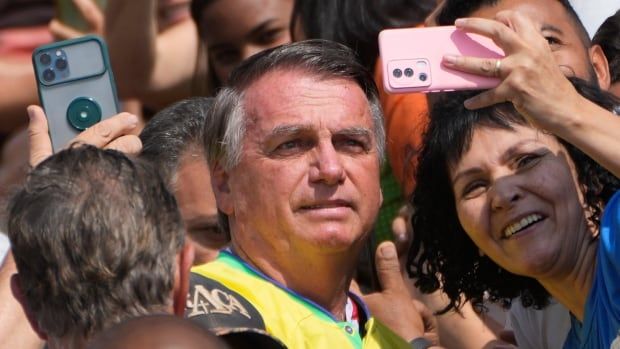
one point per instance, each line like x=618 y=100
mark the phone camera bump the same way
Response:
x=45 y=59
x=397 y=73
x=408 y=72
x=61 y=64
x=423 y=77
x=49 y=75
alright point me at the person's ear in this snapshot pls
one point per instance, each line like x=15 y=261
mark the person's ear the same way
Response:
x=220 y=180
x=601 y=66
x=185 y=260
x=16 y=290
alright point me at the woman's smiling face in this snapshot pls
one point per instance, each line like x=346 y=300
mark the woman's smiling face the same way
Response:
x=517 y=197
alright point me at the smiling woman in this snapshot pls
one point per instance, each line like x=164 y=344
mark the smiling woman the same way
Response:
x=507 y=209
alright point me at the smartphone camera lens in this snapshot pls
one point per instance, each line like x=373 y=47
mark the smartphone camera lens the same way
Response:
x=397 y=73
x=423 y=76
x=408 y=72
x=45 y=59
x=49 y=75
x=61 y=64
x=83 y=113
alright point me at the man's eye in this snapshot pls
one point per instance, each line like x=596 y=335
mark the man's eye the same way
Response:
x=351 y=145
x=291 y=147
x=553 y=41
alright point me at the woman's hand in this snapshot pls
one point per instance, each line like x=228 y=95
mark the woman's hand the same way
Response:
x=530 y=77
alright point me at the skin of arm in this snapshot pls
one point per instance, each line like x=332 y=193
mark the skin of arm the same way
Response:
x=156 y=72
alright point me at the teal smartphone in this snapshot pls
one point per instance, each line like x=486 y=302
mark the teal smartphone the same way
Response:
x=76 y=86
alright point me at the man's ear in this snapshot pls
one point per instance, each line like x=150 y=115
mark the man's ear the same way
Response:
x=16 y=290
x=601 y=66
x=185 y=259
x=220 y=181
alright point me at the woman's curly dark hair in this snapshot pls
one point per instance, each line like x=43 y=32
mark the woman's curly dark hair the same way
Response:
x=442 y=255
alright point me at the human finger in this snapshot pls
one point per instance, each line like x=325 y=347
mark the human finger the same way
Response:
x=92 y=14
x=40 y=144
x=62 y=31
x=486 y=98
x=490 y=67
x=106 y=131
x=128 y=144
x=502 y=35
x=388 y=268
x=522 y=25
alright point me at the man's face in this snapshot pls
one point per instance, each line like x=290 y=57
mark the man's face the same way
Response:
x=308 y=178
x=557 y=27
x=197 y=206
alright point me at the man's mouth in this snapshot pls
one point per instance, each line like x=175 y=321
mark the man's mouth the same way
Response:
x=327 y=205
x=521 y=224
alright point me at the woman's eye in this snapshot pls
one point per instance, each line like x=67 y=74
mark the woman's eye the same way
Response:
x=527 y=160
x=473 y=189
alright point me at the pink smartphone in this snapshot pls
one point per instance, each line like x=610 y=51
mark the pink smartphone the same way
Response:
x=411 y=59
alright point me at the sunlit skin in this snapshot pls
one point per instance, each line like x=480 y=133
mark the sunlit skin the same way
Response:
x=306 y=191
x=237 y=29
x=557 y=27
x=507 y=175
x=615 y=89
x=197 y=206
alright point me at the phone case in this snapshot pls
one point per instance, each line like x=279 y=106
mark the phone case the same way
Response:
x=411 y=59
x=76 y=86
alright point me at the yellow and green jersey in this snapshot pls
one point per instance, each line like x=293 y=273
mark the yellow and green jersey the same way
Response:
x=229 y=294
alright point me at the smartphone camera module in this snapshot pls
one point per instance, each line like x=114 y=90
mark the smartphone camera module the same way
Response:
x=397 y=73
x=408 y=72
x=49 y=75
x=61 y=63
x=45 y=59
x=423 y=77
x=83 y=113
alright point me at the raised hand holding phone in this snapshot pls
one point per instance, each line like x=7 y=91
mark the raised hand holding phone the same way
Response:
x=76 y=86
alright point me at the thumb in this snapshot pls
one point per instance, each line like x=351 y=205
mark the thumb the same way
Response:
x=39 y=140
x=388 y=268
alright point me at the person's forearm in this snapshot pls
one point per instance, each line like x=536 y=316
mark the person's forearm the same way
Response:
x=592 y=129
x=131 y=34
x=19 y=91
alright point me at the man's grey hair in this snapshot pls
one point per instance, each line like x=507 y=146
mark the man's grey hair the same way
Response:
x=224 y=133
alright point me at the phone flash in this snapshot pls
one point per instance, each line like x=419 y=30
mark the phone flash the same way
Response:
x=58 y=53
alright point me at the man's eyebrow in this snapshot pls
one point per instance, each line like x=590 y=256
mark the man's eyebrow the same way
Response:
x=354 y=132
x=551 y=28
x=285 y=130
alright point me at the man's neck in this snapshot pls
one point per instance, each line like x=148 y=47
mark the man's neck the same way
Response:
x=323 y=279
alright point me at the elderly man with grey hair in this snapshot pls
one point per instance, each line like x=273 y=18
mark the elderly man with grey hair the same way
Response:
x=294 y=147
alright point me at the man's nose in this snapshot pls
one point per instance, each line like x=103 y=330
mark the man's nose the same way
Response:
x=504 y=194
x=328 y=166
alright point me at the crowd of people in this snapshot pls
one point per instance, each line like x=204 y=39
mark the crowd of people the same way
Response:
x=242 y=197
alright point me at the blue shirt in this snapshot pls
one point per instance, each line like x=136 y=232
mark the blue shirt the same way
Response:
x=602 y=313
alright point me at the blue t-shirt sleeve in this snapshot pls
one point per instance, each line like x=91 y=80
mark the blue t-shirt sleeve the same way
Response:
x=609 y=254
